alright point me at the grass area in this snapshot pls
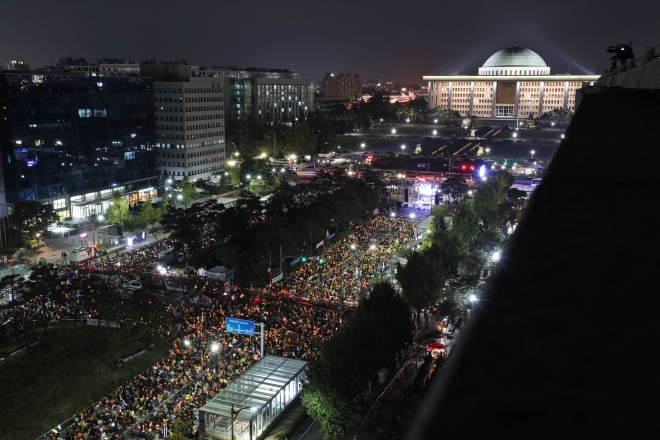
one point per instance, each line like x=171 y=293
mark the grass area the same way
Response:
x=67 y=371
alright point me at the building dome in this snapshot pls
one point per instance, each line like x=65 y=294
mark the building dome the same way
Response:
x=515 y=61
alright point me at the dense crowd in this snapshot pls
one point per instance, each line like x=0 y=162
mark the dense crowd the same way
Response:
x=173 y=390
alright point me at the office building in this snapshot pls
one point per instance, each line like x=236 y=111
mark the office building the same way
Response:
x=190 y=121
x=73 y=140
x=513 y=83
x=343 y=85
x=261 y=94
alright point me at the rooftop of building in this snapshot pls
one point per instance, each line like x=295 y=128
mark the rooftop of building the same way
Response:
x=561 y=340
x=515 y=57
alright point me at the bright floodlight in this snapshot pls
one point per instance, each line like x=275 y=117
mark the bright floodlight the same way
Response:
x=473 y=298
x=496 y=256
x=215 y=347
x=263 y=155
x=186 y=342
x=412 y=215
x=392 y=214
x=394 y=131
x=353 y=247
x=259 y=177
x=362 y=145
x=562 y=136
x=169 y=181
x=407 y=119
x=515 y=135
x=179 y=197
x=435 y=121
x=100 y=218
x=372 y=247
x=435 y=132
x=403 y=147
x=248 y=176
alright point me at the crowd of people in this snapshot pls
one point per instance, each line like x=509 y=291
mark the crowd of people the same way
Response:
x=169 y=394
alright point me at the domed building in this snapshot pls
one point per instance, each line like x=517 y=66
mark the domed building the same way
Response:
x=513 y=83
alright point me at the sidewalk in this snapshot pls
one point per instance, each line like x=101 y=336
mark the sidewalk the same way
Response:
x=293 y=414
x=54 y=247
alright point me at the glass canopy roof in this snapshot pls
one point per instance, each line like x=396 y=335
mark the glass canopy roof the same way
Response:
x=255 y=387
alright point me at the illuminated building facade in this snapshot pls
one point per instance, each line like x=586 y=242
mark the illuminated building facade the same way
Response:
x=513 y=83
x=74 y=139
x=343 y=85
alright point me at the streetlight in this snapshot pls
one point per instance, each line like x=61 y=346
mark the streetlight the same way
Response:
x=392 y=214
x=393 y=131
x=403 y=147
x=179 y=198
x=532 y=153
x=407 y=120
x=496 y=256
x=259 y=177
x=515 y=135
x=234 y=415
x=435 y=132
x=562 y=136
x=473 y=298
x=248 y=177
x=487 y=150
x=435 y=121
x=362 y=145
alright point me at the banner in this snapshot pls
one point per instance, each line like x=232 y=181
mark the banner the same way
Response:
x=319 y=245
x=295 y=260
x=278 y=278
x=102 y=323
x=330 y=236
x=120 y=362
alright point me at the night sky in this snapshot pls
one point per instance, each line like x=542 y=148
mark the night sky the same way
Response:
x=384 y=39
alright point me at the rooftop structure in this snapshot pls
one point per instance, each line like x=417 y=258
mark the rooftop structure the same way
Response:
x=260 y=394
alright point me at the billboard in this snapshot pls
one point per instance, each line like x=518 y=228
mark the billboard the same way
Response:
x=239 y=326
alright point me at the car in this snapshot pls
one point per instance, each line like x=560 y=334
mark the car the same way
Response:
x=132 y=285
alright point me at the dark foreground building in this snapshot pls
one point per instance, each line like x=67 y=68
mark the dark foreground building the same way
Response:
x=73 y=139
x=564 y=338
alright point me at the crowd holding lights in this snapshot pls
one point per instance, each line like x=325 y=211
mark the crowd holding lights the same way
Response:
x=203 y=358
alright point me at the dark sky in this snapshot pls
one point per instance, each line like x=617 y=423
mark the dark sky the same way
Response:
x=384 y=39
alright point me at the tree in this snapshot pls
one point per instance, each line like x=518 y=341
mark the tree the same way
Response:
x=455 y=187
x=31 y=217
x=149 y=215
x=118 y=212
x=420 y=279
x=189 y=192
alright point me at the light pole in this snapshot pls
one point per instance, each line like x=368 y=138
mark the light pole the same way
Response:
x=93 y=219
x=234 y=415
x=532 y=153
x=362 y=145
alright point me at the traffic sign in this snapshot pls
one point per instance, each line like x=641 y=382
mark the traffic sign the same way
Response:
x=239 y=326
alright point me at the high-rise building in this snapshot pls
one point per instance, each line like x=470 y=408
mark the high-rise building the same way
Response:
x=343 y=85
x=74 y=139
x=190 y=121
x=514 y=82
x=261 y=94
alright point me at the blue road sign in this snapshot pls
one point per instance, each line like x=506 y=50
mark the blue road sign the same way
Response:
x=239 y=326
